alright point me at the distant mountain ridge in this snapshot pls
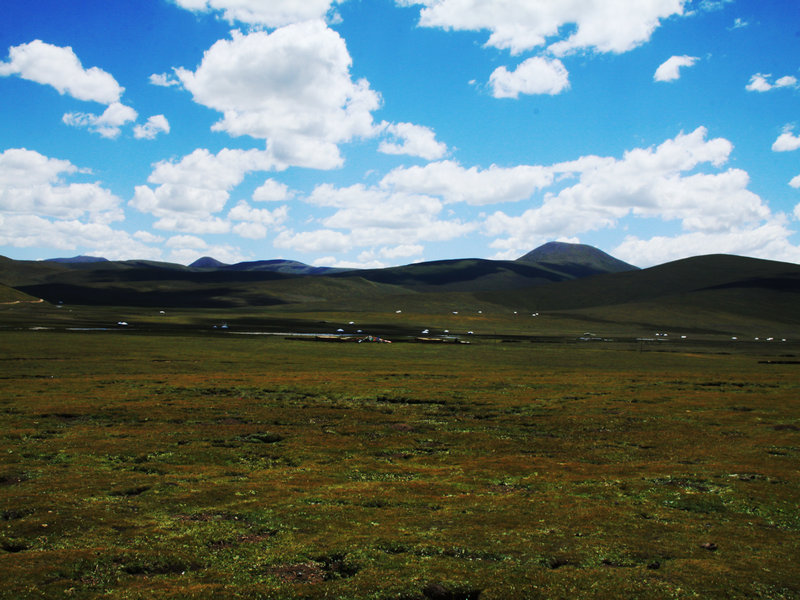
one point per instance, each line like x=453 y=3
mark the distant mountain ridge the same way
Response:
x=291 y=267
x=212 y=283
x=78 y=259
x=578 y=260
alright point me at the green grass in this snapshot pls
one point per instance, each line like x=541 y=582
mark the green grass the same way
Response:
x=209 y=466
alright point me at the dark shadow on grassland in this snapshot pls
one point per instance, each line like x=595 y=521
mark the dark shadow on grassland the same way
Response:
x=729 y=274
x=460 y=275
x=110 y=295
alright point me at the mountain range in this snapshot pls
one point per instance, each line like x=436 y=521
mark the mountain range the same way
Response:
x=555 y=277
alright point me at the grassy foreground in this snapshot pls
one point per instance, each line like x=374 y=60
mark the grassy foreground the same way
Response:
x=201 y=466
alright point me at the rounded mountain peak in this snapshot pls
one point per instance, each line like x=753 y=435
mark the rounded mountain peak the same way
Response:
x=563 y=253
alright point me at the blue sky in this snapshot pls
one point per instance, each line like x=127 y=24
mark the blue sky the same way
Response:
x=368 y=133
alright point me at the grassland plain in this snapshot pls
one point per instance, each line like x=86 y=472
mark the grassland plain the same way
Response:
x=198 y=466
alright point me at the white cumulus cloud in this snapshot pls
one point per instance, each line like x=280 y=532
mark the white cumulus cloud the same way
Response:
x=60 y=68
x=271 y=13
x=768 y=241
x=108 y=124
x=291 y=87
x=536 y=75
x=413 y=140
x=454 y=183
x=272 y=191
x=519 y=25
x=314 y=242
x=386 y=224
x=254 y=223
x=669 y=70
x=33 y=184
x=760 y=82
x=646 y=183
x=154 y=125
x=163 y=80
x=786 y=141
x=191 y=191
x=186 y=241
x=96 y=239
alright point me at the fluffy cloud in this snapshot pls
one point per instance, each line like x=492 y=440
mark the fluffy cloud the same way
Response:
x=536 y=75
x=272 y=13
x=518 y=25
x=401 y=251
x=185 y=241
x=314 y=242
x=786 y=141
x=769 y=241
x=244 y=212
x=414 y=140
x=192 y=224
x=97 y=239
x=108 y=124
x=761 y=83
x=369 y=217
x=155 y=125
x=186 y=249
x=272 y=191
x=163 y=80
x=454 y=183
x=32 y=184
x=189 y=192
x=669 y=70
x=148 y=237
x=291 y=88
x=360 y=207
x=60 y=68
x=254 y=223
x=375 y=258
x=645 y=183
x=795 y=183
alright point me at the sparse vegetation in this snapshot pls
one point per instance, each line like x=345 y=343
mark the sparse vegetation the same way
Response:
x=187 y=465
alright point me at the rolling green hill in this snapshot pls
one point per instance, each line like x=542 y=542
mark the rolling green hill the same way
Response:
x=705 y=293
x=9 y=295
x=264 y=283
x=707 y=274
x=463 y=275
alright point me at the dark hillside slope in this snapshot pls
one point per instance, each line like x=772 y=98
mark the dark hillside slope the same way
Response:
x=728 y=277
x=136 y=283
x=460 y=275
x=9 y=295
x=14 y=273
x=154 y=284
x=722 y=283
